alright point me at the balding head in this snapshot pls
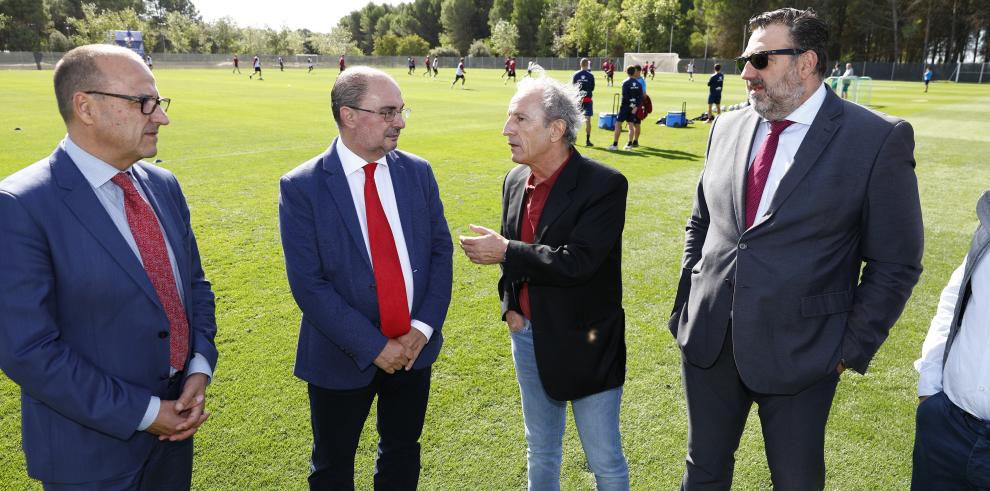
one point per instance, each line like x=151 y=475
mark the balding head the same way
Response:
x=351 y=86
x=84 y=68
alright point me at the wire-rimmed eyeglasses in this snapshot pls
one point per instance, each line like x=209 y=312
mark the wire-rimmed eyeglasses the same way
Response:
x=389 y=114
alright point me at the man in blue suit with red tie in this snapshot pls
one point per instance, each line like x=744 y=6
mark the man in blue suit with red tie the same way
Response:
x=368 y=256
x=108 y=321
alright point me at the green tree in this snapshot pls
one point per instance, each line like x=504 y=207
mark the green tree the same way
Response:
x=501 y=10
x=387 y=45
x=479 y=49
x=505 y=38
x=464 y=21
x=526 y=15
x=412 y=45
x=224 y=35
x=337 y=42
x=427 y=13
x=27 y=27
x=95 y=26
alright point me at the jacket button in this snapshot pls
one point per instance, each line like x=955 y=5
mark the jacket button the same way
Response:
x=743 y=246
x=162 y=334
x=728 y=282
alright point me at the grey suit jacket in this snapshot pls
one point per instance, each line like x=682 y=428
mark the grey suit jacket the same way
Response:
x=794 y=285
x=979 y=247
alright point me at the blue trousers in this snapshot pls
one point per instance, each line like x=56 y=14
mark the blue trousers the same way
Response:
x=596 y=417
x=951 y=448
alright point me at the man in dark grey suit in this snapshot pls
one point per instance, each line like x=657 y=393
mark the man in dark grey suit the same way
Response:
x=799 y=190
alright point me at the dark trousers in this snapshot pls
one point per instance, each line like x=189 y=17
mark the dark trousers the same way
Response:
x=718 y=403
x=168 y=467
x=951 y=448
x=338 y=417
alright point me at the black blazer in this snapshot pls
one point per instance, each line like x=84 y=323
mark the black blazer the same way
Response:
x=575 y=276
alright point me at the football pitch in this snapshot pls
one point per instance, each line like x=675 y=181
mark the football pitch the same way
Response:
x=230 y=139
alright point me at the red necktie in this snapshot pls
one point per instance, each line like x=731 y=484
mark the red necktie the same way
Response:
x=393 y=306
x=151 y=244
x=756 y=178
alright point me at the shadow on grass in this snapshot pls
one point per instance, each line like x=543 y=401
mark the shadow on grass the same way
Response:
x=644 y=151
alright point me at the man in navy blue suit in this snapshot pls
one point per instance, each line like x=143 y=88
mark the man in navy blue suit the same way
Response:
x=108 y=321
x=368 y=256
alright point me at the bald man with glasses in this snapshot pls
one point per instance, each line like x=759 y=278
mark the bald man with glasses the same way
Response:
x=108 y=320
x=802 y=249
x=369 y=260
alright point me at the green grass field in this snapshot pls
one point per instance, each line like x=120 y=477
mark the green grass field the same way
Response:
x=230 y=140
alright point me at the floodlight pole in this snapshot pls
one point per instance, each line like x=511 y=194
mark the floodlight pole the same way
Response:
x=670 y=47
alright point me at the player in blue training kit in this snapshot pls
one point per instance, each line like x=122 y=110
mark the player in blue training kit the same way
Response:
x=715 y=92
x=632 y=97
x=585 y=82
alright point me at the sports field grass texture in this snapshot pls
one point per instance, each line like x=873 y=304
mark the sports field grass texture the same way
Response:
x=230 y=140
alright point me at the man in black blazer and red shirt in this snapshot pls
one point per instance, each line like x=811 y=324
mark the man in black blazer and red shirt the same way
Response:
x=560 y=250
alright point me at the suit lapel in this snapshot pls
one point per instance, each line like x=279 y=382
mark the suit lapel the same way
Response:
x=818 y=137
x=983 y=210
x=740 y=157
x=401 y=187
x=515 y=192
x=336 y=183
x=560 y=195
x=86 y=207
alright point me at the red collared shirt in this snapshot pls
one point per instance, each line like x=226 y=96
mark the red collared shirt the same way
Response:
x=533 y=203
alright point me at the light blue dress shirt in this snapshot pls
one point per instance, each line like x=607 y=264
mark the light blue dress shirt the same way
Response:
x=99 y=173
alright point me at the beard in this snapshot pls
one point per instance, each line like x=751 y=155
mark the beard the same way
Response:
x=778 y=100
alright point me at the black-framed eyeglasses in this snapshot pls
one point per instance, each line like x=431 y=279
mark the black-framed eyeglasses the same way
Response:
x=389 y=115
x=761 y=59
x=148 y=103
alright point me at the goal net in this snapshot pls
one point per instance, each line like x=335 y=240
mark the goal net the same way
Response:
x=665 y=62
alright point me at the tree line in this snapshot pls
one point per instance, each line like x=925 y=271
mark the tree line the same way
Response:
x=934 y=31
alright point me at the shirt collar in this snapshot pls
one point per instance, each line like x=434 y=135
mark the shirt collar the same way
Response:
x=96 y=171
x=350 y=160
x=805 y=113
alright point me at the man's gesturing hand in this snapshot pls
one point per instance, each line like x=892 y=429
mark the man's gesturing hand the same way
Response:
x=487 y=248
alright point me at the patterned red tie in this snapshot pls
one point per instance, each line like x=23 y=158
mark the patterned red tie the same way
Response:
x=756 y=178
x=151 y=244
x=393 y=306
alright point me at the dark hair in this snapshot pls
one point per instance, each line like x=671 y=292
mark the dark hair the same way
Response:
x=808 y=32
x=718 y=66
x=630 y=70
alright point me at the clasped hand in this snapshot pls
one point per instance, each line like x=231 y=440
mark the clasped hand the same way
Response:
x=401 y=352
x=181 y=418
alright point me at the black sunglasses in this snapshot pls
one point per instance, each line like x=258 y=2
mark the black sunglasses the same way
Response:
x=148 y=103
x=761 y=59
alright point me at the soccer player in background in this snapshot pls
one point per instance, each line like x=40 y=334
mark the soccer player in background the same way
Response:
x=257 y=67
x=715 y=92
x=512 y=71
x=459 y=74
x=237 y=64
x=632 y=97
x=585 y=82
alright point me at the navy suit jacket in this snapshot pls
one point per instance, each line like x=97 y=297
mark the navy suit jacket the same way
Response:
x=330 y=271
x=83 y=332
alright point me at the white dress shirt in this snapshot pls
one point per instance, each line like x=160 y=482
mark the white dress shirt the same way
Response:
x=966 y=375
x=98 y=174
x=354 y=170
x=787 y=146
